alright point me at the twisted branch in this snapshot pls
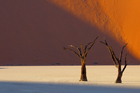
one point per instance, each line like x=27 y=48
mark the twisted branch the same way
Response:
x=114 y=58
x=79 y=50
x=72 y=51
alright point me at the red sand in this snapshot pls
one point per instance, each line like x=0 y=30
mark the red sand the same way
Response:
x=33 y=32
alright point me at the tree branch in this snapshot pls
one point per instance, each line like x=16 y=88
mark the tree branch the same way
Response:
x=114 y=61
x=87 y=46
x=122 y=52
x=72 y=51
x=79 y=50
x=82 y=51
x=104 y=42
x=92 y=43
x=114 y=58
x=125 y=63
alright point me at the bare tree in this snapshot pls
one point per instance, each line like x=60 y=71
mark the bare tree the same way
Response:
x=82 y=54
x=117 y=61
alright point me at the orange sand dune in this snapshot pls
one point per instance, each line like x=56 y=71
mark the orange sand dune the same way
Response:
x=120 y=18
x=33 y=32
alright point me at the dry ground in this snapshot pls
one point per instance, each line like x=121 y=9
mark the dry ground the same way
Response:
x=65 y=79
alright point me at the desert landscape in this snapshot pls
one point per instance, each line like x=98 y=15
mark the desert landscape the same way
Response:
x=35 y=33
x=58 y=79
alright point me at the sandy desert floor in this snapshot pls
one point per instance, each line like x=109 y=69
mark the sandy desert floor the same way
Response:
x=65 y=79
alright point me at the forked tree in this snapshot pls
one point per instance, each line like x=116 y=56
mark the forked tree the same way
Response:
x=82 y=54
x=117 y=61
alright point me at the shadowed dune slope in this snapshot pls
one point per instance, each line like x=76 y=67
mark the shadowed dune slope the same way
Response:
x=33 y=32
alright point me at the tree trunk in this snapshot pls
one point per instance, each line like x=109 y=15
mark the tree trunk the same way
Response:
x=118 y=80
x=83 y=71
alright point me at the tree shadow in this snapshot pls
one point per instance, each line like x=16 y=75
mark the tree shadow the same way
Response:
x=3 y=68
x=27 y=87
x=34 y=32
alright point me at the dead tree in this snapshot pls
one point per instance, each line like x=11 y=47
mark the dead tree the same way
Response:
x=117 y=61
x=82 y=55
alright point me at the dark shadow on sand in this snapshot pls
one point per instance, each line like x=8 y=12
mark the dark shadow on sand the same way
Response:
x=3 y=68
x=20 y=87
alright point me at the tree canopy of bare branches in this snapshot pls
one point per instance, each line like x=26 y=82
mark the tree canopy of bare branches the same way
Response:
x=82 y=54
x=117 y=61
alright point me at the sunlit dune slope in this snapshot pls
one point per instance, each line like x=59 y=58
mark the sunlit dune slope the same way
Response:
x=120 y=18
x=33 y=32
